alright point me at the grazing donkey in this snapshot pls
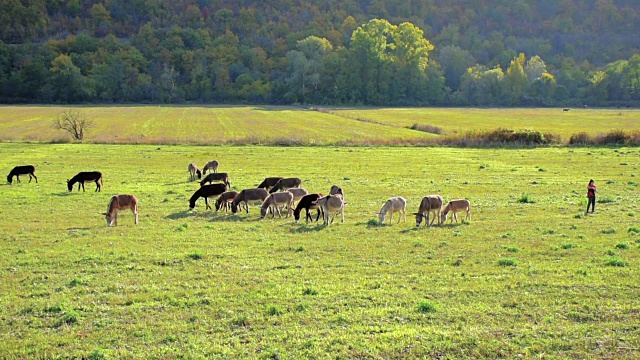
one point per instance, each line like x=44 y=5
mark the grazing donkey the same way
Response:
x=246 y=196
x=86 y=176
x=298 y=193
x=194 y=172
x=211 y=165
x=308 y=202
x=429 y=204
x=394 y=204
x=225 y=200
x=336 y=190
x=121 y=202
x=455 y=206
x=224 y=177
x=331 y=203
x=206 y=192
x=22 y=170
x=269 y=182
x=284 y=184
x=273 y=202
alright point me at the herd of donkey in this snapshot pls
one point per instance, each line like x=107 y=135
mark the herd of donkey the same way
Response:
x=275 y=194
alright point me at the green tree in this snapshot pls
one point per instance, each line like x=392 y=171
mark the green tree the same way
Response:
x=371 y=59
x=454 y=61
x=515 y=81
x=67 y=83
x=535 y=68
x=100 y=20
x=410 y=57
x=306 y=67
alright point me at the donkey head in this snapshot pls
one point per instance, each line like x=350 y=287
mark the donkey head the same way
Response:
x=419 y=218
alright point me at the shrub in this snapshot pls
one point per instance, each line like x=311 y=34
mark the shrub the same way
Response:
x=426 y=307
x=240 y=321
x=568 y=246
x=526 y=199
x=614 y=137
x=97 y=355
x=196 y=255
x=500 y=137
x=426 y=128
x=608 y=231
x=373 y=222
x=309 y=291
x=606 y=200
x=273 y=311
x=616 y=261
x=507 y=262
x=70 y=317
x=634 y=229
x=622 y=246
x=513 y=249
x=580 y=139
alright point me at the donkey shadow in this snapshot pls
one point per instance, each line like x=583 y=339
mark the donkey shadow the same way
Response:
x=183 y=215
x=225 y=217
x=64 y=193
x=305 y=228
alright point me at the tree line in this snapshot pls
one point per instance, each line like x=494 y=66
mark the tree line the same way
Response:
x=428 y=52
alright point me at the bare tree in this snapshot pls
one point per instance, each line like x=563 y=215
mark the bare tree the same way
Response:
x=73 y=122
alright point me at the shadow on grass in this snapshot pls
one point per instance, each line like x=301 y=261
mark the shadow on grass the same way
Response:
x=413 y=229
x=78 y=228
x=66 y=193
x=454 y=225
x=306 y=228
x=231 y=217
x=180 y=183
x=183 y=215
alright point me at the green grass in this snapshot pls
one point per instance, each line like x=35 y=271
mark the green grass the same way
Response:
x=202 y=284
x=286 y=125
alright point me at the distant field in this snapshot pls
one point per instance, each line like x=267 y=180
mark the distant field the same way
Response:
x=530 y=276
x=554 y=121
x=291 y=125
x=200 y=125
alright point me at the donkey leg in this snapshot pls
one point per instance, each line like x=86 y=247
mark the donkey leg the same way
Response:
x=135 y=212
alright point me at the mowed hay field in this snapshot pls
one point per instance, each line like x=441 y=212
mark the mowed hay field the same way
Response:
x=529 y=276
x=545 y=120
x=200 y=125
x=293 y=125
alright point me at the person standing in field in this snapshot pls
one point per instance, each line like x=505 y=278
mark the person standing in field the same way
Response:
x=591 y=195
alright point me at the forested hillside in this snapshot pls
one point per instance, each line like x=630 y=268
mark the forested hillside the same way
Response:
x=370 y=52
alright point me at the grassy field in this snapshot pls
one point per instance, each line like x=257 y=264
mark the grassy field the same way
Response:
x=529 y=276
x=291 y=125
x=553 y=121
